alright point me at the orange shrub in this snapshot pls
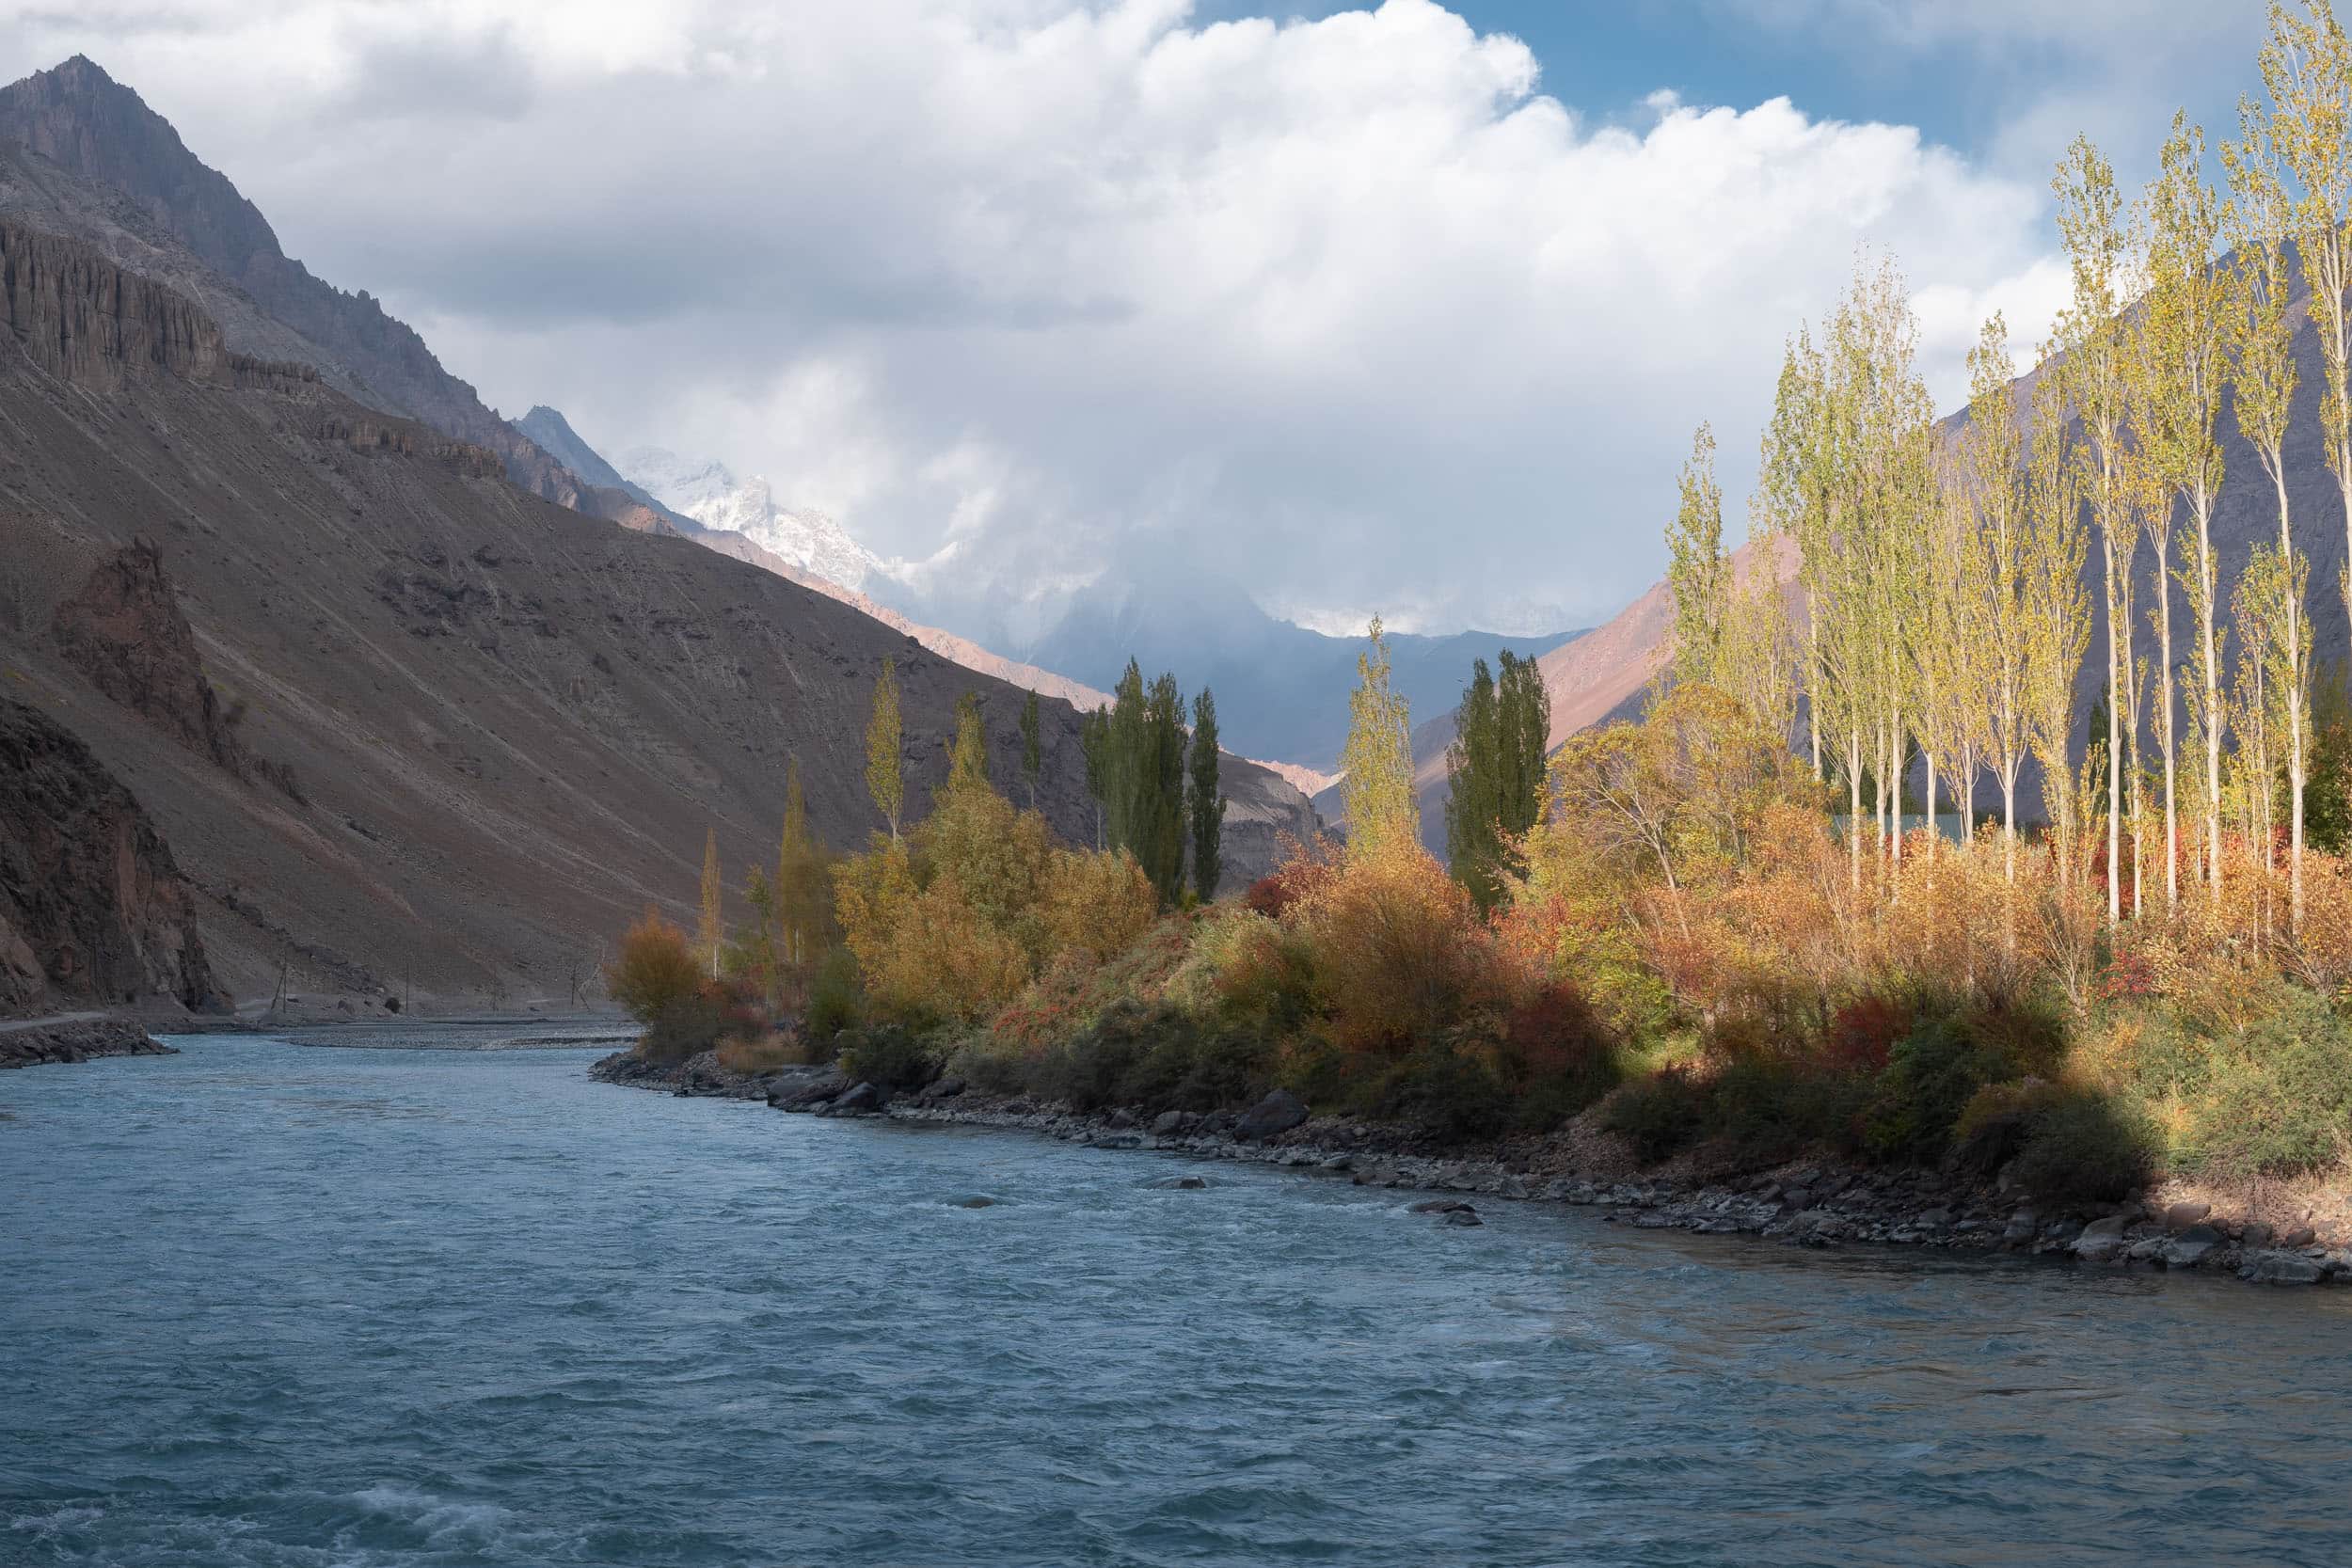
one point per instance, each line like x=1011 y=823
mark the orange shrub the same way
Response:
x=1094 y=904
x=1397 y=950
x=654 y=969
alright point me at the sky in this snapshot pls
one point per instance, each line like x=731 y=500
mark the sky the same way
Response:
x=1410 y=310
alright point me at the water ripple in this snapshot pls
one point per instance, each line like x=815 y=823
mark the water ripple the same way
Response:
x=290 y=1308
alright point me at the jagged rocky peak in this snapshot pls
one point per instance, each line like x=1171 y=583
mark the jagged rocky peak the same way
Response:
x=707 y=491
x=75 y=114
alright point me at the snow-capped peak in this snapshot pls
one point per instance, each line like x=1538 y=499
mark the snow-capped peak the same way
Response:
x=705 y=490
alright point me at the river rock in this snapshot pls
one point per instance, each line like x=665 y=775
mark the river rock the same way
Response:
x=863 y=1101
x=977 y=1200
x=1170 y=1124
x=1436 y=1205
x=2299 y=1237
x=2283 y=1268
x=2255 y=1237
x=1181 y=1183
x=2103 y=1241
x=1277 y=1112
x=2180 y=1216
x=805 y=1094
x=2190 y=1247
x=1462 y=1214
x=2020 y=1228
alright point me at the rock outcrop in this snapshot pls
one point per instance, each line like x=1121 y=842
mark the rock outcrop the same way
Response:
x=93 y=907
x=125 y=632
x=87 y=321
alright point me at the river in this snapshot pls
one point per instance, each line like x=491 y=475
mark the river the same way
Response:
x=268 y=1303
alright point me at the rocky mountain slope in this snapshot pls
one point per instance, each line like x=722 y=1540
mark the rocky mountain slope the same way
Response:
x=83 y=155
x=93 y=910
x=511 y=725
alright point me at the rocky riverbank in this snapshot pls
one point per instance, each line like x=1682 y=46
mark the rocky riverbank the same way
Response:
x=1808 y=1202
x=79 y=1040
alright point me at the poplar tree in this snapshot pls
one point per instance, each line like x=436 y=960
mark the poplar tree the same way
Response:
x=2189 y=311
x=1523 y=732
x=2092 y=372
x=1792 y=500
x=1993 y=461
x=884 y=737
x=2058 y=611
x=1698 y=572
x=2307 y=68
x=1473 y=799
x=1202 y=803
x=1094 y=744
x=1032 y=746
x=712 y=935
x=2262 y=400
x=1162 y=854
x=1382 y=812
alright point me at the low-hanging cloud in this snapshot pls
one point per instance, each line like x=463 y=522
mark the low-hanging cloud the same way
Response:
x=1348 y=303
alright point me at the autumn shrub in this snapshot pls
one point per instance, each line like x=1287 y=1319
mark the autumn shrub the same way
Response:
x=1268 y=977
x=757 y=1053
x=889 y=1057
x=1554 y=1055
x=1094 y=904
x=654 y=969
x=1295 y=881
x=1771 y=1107
x=1396 y=952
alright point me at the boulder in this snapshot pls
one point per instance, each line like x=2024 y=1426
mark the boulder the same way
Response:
x=2180 y=1216
x=863 y=1101
x=2255 y=1237
x=1437 y=1206
x=977 y=1200
x=1181 y=1183
x=2020 y=1228
x=2283 y=1268
x=1462 y=1214
x=1277 y=1112
x=805 y=1094
x=2299 y=1237
x=2190 y=1247
x=1169 y=1124
x=2103 y=1241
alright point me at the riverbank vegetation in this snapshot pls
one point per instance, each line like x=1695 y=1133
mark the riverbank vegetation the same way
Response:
x=1896 y=865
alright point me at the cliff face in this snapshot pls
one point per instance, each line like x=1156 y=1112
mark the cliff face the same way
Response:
x=86 y=321
x=93 y=907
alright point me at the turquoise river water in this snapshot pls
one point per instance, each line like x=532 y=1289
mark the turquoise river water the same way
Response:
x=267 y=1302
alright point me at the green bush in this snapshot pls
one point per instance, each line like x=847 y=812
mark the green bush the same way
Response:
x=889 y=1057
x=1932 y=1075
x=1774 y=1109
x=835 y=1000
x=2277 y=1097
x=1445 y=1094
x=1659 y=1114
x=2085 y=1147
x=680 y=1027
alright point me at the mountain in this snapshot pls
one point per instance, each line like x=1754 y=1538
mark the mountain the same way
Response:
x=92 y=161
x=705 y=490
x=554 y=433
x=1281 y=690
x=493 y=728
x=404 y=725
